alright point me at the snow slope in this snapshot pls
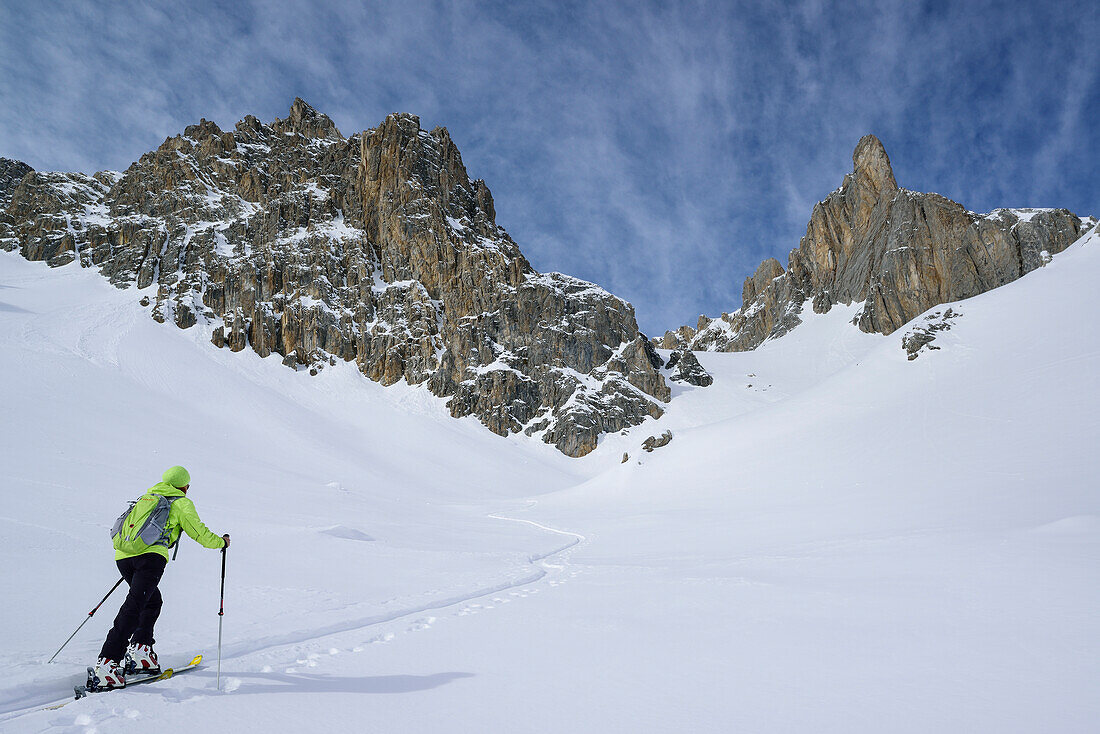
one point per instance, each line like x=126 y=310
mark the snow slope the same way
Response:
x=855 y=542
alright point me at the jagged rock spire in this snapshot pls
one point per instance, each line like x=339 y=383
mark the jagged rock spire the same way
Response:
x=307 y=121
x=897 y=252
x=871 y=166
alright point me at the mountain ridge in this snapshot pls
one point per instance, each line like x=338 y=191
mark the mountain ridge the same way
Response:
x=896 y=251
x=291 y=239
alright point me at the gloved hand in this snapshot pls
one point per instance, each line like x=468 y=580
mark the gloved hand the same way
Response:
x=226 y=539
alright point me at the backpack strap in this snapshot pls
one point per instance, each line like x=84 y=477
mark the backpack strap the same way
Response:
x=167 y=534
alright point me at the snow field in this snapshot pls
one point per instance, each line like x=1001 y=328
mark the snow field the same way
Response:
x=855 y=542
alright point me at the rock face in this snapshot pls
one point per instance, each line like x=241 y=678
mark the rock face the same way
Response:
x=686 y=368
x=680 y=337
x=289 y=238
x=897 y=252
x=11 y=173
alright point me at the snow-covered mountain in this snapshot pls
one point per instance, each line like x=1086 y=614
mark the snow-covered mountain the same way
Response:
x=379 y=249
x=896 y=252
x=293 y=240
x=836 y=539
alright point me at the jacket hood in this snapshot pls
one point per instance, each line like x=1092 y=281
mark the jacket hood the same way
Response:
x=166 y=489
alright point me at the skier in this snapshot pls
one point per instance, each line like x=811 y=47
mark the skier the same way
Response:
x=142 y=565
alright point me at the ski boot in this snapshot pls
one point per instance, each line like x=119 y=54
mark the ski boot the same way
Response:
x=107 y=674
x=141 y=659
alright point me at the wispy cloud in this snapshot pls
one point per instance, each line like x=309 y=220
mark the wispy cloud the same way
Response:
x=660 y=149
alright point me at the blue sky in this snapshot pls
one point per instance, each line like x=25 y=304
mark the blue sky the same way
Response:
x=661 y=150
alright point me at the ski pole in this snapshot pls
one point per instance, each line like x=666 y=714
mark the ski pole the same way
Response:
x=90 y=615
x=221 y=614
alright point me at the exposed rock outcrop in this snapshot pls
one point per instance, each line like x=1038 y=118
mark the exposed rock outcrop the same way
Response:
x=680 y=337
x=11 y=173
x=897 y=252
x=656 y=442
x=686 y=368
x=920 y=337
x=289 y=238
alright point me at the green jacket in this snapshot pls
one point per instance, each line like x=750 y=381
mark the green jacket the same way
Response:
x=183 y=517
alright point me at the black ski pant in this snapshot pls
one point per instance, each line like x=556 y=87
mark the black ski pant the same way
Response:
x=135 y=620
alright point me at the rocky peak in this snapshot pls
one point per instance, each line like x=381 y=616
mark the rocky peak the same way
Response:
x=871 y=167
x=378 y=249
x=416 y=181
x=203 y=130
x=11 y=173
x=897 y=252
x=765 y=273
x=308 y=122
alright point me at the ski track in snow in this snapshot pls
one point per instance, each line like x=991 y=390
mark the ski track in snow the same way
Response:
x=303 y=643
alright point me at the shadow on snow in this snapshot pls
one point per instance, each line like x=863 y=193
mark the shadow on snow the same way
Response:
x=253 y=683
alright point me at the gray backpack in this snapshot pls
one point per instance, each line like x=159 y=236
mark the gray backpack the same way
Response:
x=144 y=523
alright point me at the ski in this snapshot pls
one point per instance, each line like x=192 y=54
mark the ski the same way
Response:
x=82 y=691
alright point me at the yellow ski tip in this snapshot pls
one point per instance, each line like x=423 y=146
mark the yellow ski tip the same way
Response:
x=195 y=660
